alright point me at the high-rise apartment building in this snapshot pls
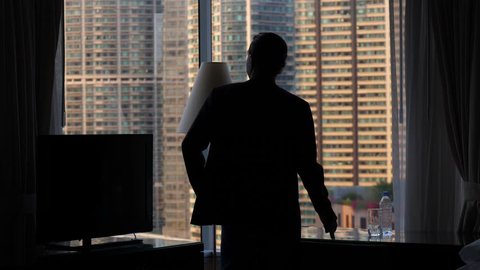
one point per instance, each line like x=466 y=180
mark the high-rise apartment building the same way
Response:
x=174 y=73
x=109 y=69
x=126 y=72
x=343 y=70
x=236 y=22
x=111 y=86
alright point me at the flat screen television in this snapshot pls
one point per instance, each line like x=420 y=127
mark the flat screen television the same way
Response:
x=91 y=186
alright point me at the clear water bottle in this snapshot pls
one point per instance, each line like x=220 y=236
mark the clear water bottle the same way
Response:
x=386 y=214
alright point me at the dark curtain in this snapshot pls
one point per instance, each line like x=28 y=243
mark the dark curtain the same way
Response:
x=430 y=204
x=29 y=33
x=455 y=27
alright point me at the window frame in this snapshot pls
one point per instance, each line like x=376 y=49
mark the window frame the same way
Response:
x=208 y=232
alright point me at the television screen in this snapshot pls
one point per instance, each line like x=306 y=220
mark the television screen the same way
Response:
x=93 y=186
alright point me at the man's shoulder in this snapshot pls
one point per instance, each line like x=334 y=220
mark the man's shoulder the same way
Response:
x=294 y=101
x=228 y=90
x=230 y=86
x=293 y=97
x=241 y=89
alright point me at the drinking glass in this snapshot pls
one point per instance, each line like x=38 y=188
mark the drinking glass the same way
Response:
x=373 y=222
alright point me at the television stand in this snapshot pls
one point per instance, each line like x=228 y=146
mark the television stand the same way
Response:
x=152 y=254
x=87 y=245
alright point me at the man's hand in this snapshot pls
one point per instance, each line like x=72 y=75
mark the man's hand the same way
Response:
x=331 y=228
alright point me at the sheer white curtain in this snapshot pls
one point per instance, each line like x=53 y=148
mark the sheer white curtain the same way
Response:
x=433 y=192
x=57 y=111
x=397 y=19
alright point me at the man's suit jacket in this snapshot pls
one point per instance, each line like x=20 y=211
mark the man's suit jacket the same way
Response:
x=260 y=137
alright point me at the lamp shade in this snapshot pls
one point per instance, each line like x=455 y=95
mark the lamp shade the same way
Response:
x=210 y=75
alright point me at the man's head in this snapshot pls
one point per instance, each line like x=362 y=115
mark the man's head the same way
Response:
x=266 y=56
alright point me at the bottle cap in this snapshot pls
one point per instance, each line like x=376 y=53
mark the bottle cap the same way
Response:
x=385 y=193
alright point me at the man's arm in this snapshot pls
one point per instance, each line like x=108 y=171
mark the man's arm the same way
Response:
x=312 y=173
x=197 y=140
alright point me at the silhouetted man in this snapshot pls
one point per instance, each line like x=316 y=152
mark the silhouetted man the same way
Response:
x=260 y=137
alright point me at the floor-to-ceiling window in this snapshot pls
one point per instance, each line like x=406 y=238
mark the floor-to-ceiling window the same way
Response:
x=129 y=66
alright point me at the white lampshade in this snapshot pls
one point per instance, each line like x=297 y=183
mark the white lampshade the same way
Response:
x=210 y=75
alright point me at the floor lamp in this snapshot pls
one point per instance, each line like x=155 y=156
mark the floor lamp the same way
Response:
x=209 y=76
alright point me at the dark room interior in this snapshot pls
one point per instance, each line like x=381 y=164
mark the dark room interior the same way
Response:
x=98 y=110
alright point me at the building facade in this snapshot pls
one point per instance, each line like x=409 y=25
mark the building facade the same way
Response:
x=236 y=22
x=343 y=70
x=126 y=72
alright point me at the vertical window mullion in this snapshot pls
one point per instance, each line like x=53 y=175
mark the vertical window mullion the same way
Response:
x=205 y=55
